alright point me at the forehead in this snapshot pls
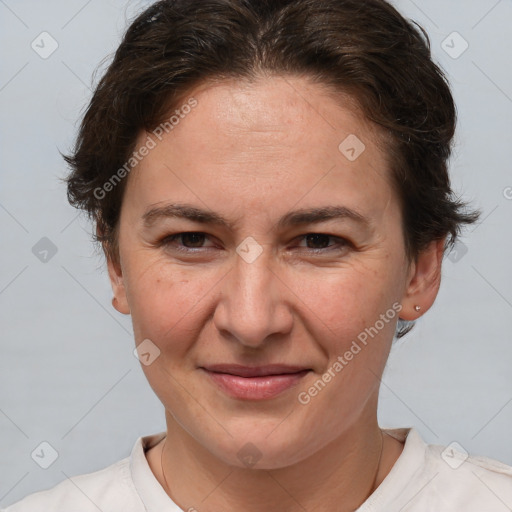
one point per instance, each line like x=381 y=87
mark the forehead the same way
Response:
x=289 y=114
x=259 y=140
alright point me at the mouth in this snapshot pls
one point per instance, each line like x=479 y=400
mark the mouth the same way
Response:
x=255 y=382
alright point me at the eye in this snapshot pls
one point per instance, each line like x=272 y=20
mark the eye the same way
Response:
x=193 y=241
x=190 y=240
x=320 y=241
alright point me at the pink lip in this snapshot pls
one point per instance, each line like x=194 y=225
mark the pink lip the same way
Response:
x=255 y=383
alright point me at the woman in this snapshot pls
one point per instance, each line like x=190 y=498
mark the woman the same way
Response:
x=269 y=184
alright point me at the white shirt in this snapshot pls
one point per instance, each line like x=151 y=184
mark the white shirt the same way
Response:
x=425 y=478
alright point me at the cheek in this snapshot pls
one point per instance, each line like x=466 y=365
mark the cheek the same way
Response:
x=164 y=302
x=348 y=300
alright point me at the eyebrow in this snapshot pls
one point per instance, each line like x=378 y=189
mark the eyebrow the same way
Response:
x=296 y=218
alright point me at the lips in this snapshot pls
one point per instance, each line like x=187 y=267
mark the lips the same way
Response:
x=254 y=371
x=255 y=382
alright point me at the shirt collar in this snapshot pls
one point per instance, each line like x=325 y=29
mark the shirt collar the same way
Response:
x=411 y=460
x=151 y=493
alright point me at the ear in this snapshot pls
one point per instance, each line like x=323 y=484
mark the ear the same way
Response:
x=120 y=301
x=423 y=281
x=115 y=274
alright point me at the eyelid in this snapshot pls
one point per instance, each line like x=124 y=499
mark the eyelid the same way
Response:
x=169 y=239
x=340 y=245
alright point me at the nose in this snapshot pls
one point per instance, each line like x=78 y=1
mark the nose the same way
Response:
x=253 y=303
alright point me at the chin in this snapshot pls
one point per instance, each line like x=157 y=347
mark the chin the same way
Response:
x=257 y=447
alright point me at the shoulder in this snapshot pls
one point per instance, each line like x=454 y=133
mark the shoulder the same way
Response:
x=468 y=481
x=110 y=488
x=430 y=477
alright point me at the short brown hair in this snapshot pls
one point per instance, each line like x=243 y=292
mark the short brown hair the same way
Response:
x=361 y=47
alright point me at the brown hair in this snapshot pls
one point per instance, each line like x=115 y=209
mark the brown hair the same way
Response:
x=363 y=48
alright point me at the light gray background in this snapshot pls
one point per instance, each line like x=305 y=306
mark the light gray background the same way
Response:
x=67 y=372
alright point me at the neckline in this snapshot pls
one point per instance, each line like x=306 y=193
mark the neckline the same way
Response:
x=155 y=499
x=408 y=463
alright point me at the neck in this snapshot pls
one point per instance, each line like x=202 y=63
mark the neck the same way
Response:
x=340 y=476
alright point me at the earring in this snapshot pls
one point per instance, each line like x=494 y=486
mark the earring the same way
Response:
x=417 y=308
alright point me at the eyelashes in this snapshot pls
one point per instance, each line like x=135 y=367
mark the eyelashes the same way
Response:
x=197 y=238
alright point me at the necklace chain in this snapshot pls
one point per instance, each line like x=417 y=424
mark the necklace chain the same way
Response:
x=167 y=488
x=378 y=465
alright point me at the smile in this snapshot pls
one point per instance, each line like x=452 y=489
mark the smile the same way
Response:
x=255 y=383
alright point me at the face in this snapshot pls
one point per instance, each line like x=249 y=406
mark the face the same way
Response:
x=248 y=237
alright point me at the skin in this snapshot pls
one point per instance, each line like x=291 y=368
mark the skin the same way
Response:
x=252 y=152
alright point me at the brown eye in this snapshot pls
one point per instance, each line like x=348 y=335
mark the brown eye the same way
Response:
x=317 y=240
x=187 y=241
x=193 y=240
x=322 y=242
